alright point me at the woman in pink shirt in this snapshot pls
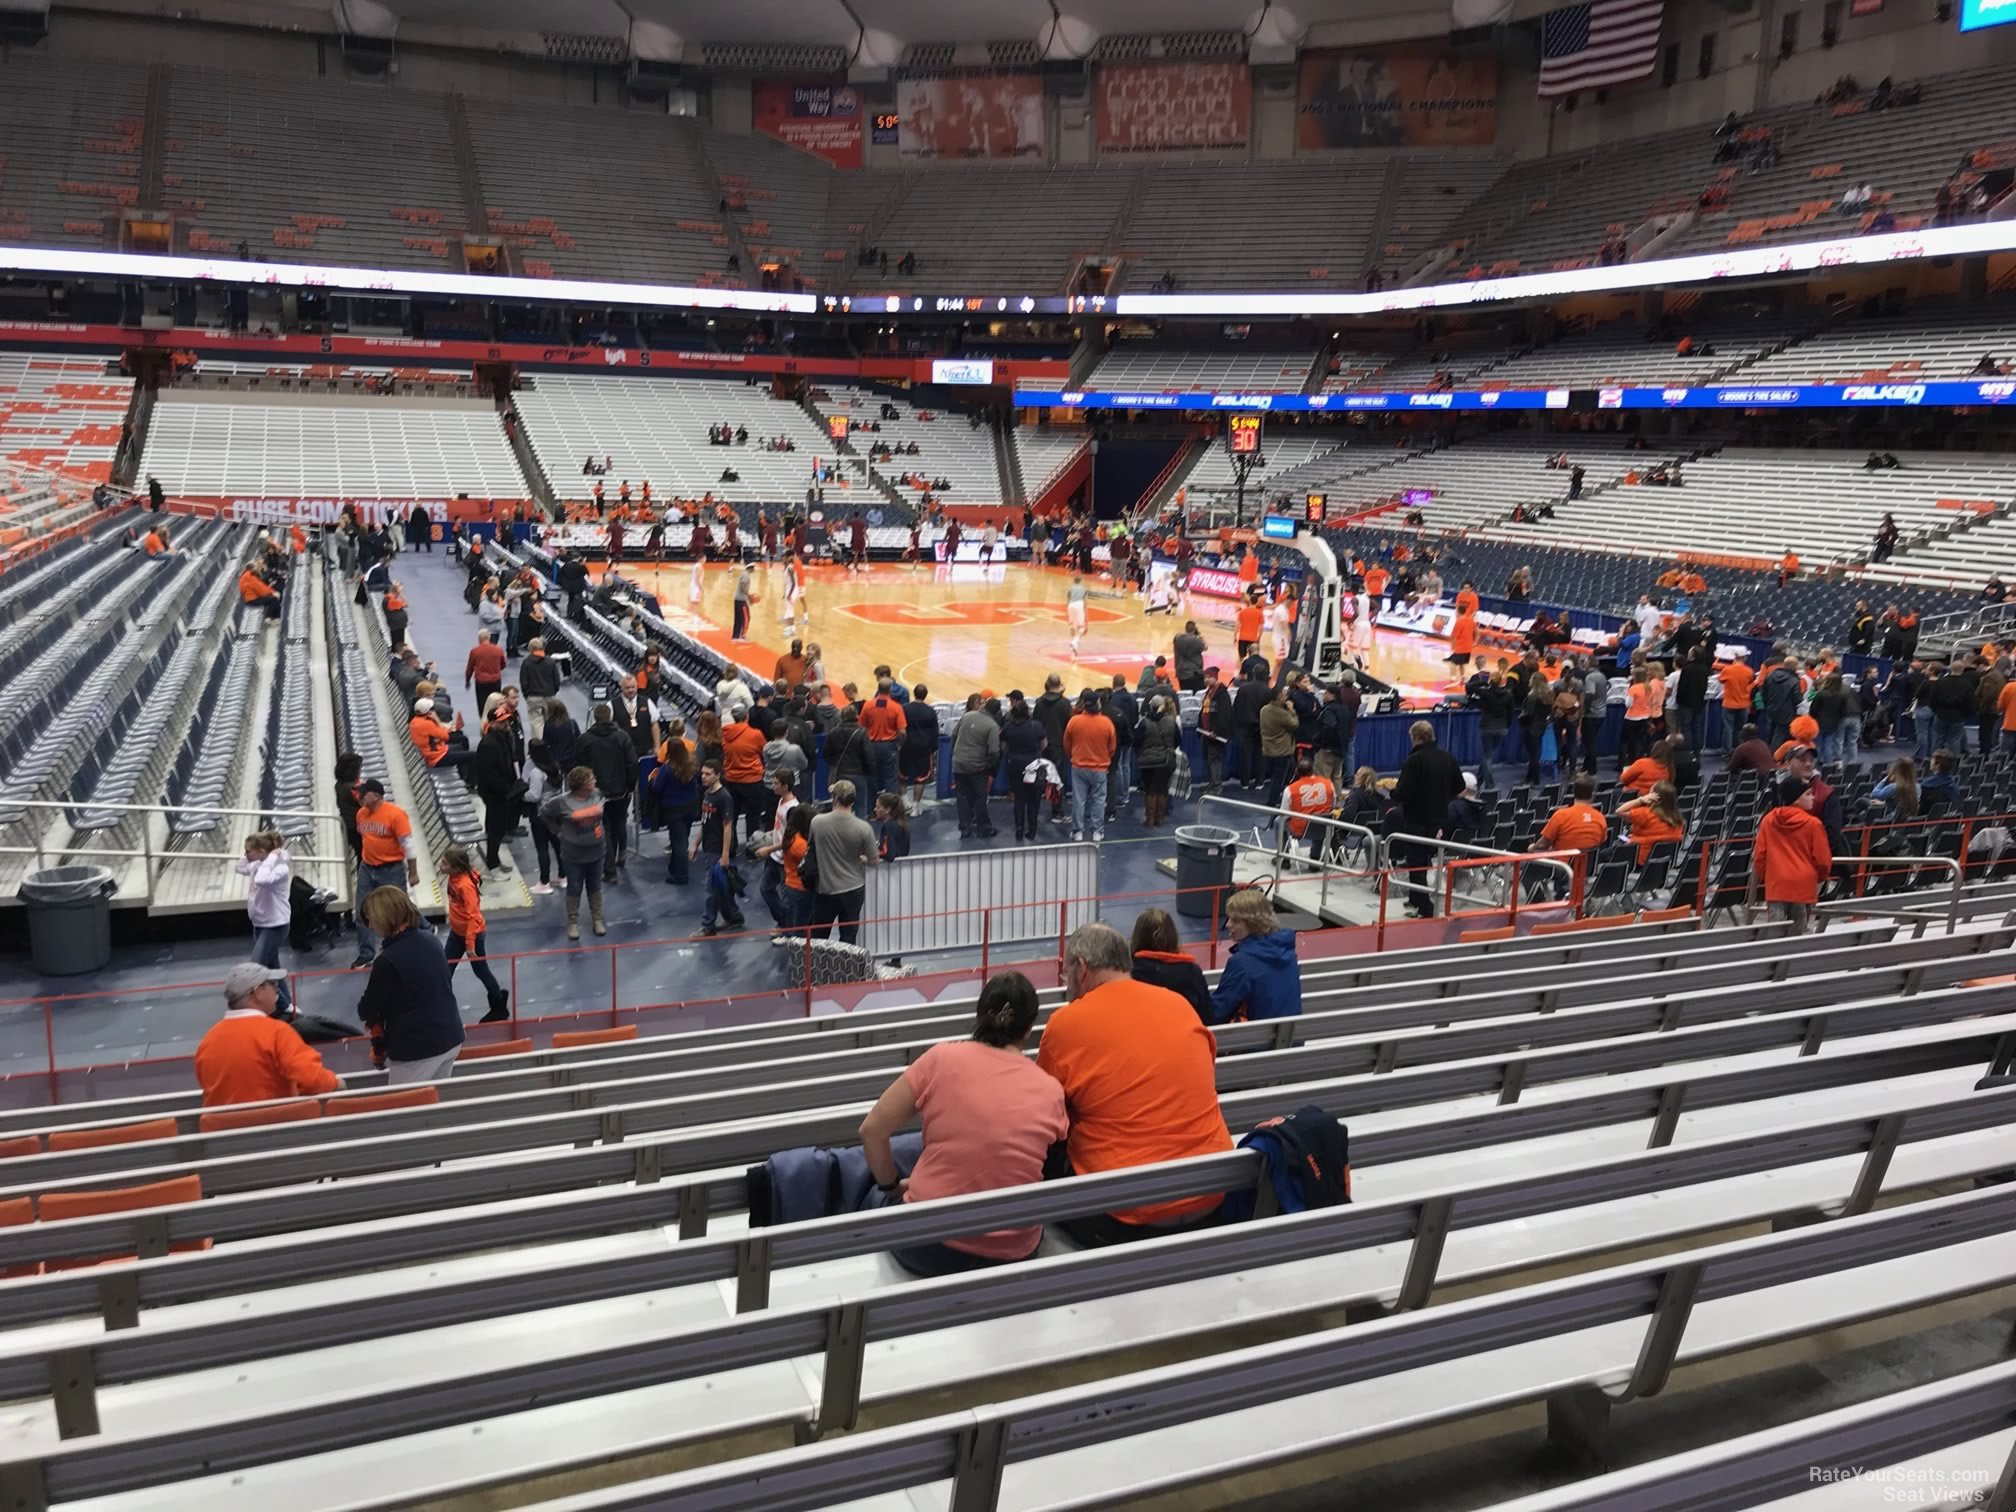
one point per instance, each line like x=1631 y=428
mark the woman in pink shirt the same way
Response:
x=989 y=1116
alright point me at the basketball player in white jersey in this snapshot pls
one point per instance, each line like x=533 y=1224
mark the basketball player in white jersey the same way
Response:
x=1074 y=611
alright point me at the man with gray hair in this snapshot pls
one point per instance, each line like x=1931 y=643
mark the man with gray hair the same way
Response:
x=845 y=848
x=1137 y=1068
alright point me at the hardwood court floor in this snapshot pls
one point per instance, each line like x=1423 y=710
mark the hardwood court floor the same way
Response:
x=964 y=628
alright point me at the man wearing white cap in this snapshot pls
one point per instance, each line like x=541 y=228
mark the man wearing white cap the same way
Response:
x=251 y=1056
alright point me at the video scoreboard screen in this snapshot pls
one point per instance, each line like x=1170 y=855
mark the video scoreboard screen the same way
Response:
x=1242 y=435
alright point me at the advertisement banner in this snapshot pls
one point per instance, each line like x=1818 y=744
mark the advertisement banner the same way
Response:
x=988 y=116
x=1420 y=96
x=823 y=119
x=1449 y=399
x=1173 y=107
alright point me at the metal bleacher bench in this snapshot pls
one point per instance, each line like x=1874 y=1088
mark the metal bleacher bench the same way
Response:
x=249 y=1377
x=486 y=1302
x=1933 y=1445
x=1647 y=949
x=1881 y=987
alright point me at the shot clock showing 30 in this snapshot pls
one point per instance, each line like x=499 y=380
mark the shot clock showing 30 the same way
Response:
x=1242 y=435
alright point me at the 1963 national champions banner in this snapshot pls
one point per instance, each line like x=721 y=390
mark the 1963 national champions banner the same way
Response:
x=1167 y=107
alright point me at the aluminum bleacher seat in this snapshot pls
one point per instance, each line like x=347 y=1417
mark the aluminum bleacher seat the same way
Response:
x=1043 y=455
x=1270 y=225
x=1904 y=155
x=778 y=199
x=1928 y=340
x=249 y=159
x=287 y=778
x=208 y=443
x=1150 y=367
x=952 y=221
x=1445 y=1195
x=72 y=129
x=949 y=445
x=1757 y=501
x=585 y=193
x=655 y=429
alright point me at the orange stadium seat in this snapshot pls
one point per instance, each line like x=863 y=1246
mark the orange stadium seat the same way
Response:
x=54 y=1206
x=252 y=1118
x=383 y=1102
x=496 y=1047
x=90 y=1139
x=567 y=1039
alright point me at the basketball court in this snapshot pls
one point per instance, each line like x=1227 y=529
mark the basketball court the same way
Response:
x=961 y=629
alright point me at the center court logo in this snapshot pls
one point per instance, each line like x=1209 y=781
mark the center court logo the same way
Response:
x=1883 y=393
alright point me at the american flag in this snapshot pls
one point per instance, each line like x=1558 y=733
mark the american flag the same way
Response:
x=1603 y=42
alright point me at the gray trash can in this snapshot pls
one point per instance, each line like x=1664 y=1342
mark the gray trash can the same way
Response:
x=69 y=918
x=1204 y=855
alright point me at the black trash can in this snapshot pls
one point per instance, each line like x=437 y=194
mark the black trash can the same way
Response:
x=69 y=918
x=1204 y=855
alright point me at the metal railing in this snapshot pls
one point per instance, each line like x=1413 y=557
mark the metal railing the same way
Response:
x=1285 y=843
x=148 y=853
x=1570 y=870
x=1950 y=911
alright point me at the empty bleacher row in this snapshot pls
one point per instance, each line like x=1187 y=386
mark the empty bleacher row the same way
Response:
x=302 y=170
x=492 y=1274
x=955 y=446
x=1758 y=502
x=243 y=160
x=1931 y=339
x=217 y=444
x=655 y=430
x=1152 y=367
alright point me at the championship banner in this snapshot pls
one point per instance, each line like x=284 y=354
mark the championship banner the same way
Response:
x=986 y=116
x=1173 y=107
x=822 y=119
x=1402 y=96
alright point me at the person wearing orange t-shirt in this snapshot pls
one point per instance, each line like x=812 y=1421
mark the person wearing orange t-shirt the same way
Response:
x=1463 y=636
x=1788 y=567
x=1466 y=598
x=433 y=738
x=1737 y=681
x=1309 y=792
x=1249 y=567
x=1251 y=616
x=385 y=856
x=1138 y=1071
x=1090 y=742
x=1377 y=579
x=1642 y=775
x=1652 y=819
x=1576 y=826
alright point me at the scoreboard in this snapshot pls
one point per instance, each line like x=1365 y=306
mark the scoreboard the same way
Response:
x=1242 y=435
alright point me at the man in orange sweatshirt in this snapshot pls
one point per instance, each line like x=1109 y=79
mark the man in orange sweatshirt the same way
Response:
x=1792 y=855
x=249 y=1055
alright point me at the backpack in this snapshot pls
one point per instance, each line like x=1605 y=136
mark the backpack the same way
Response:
x=1308 y=1163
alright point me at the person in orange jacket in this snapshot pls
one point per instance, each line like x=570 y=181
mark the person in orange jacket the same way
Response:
x=1791 y=855
x=467 y=931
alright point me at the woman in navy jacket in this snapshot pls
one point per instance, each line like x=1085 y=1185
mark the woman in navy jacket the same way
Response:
x=408 y=1005
x=1262 y=979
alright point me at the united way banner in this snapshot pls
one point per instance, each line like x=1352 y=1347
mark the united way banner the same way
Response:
x=823 y=119
x=1173 y=107
x=985 y=116
x=1395 y=97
